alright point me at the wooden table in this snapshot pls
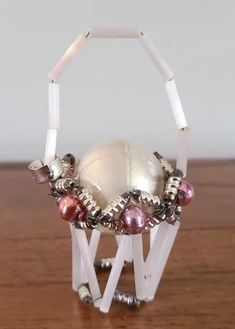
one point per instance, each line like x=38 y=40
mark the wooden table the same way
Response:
x=198 y=286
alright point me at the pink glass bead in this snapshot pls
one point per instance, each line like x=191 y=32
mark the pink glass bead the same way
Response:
x=185 y=193
x=70 y=208
x=134 y=219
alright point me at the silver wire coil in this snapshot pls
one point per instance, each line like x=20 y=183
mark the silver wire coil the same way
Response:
x=115 y=207
x=171 y=187
x=166 y=166
x=126 y=298
x=104 y=263
x=149 y=199
x=64 y=184
x=84 y=294
x=69 y=164
x=87 y=199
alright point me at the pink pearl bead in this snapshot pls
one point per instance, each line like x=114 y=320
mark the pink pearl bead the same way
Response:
x=134 y=219
x=185 y=193
x=70 y=208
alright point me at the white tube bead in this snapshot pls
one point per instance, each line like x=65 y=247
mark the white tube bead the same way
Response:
x=155 y=249
x=158 y=255
x=129 y=253
x=67 y=58
x=112 y=32
x=78 y=271
x=54 y=105
x=153 y=52
x=94 y=242
x=153 y=233
x=182 y=158
x=84 y=278
x=76 y=262
x=88 y=265
x=93 y=245
x=118 y=239
x=176 y=105
x=114 y=275
x=139 y=266
x=50 y=150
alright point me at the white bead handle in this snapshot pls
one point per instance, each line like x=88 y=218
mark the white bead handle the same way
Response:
x=152 y=51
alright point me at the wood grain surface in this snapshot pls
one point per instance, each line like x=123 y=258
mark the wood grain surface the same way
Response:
x=197 y=289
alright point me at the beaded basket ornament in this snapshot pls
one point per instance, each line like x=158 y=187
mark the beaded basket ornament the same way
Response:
x=118 y=188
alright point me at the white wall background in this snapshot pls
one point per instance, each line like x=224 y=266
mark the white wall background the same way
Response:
x=113 y=90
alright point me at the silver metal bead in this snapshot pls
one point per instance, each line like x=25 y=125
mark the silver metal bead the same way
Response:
x=84 y=294
x=171 y=188
x=104 y=263
x=87 y=199
x=150 y=224
x=126 y=298
x=115 y=207
x=178 y=210
x=171 y=217
x=69 y=164
x=170 y=193
x=149 y=199
x=174 y=181
x=45 y=173
x=112 y=226
x=64 y=184
x=155 y=221
x=80 y=225
x=166 y=166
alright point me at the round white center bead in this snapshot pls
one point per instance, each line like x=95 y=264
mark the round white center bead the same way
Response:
x=108 y=170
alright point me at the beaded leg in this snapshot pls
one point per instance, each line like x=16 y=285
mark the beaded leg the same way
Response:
x=153 y=233
x=129 y=255
x=94 y=242
x=158 y=255
x=88 y=265
x=114 y=275
x=76 y=263
x=93 y=245
x=139 y=265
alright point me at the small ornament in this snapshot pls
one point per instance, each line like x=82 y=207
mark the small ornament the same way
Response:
x=185 y=193
x=118 y=188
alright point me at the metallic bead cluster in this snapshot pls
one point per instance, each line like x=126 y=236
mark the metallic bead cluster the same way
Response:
x=165 y=209
x=133 y=212
x=68 y=185
x=116 y=207
x=126 y=298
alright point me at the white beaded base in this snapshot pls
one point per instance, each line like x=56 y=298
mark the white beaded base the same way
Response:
x=147 y=274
